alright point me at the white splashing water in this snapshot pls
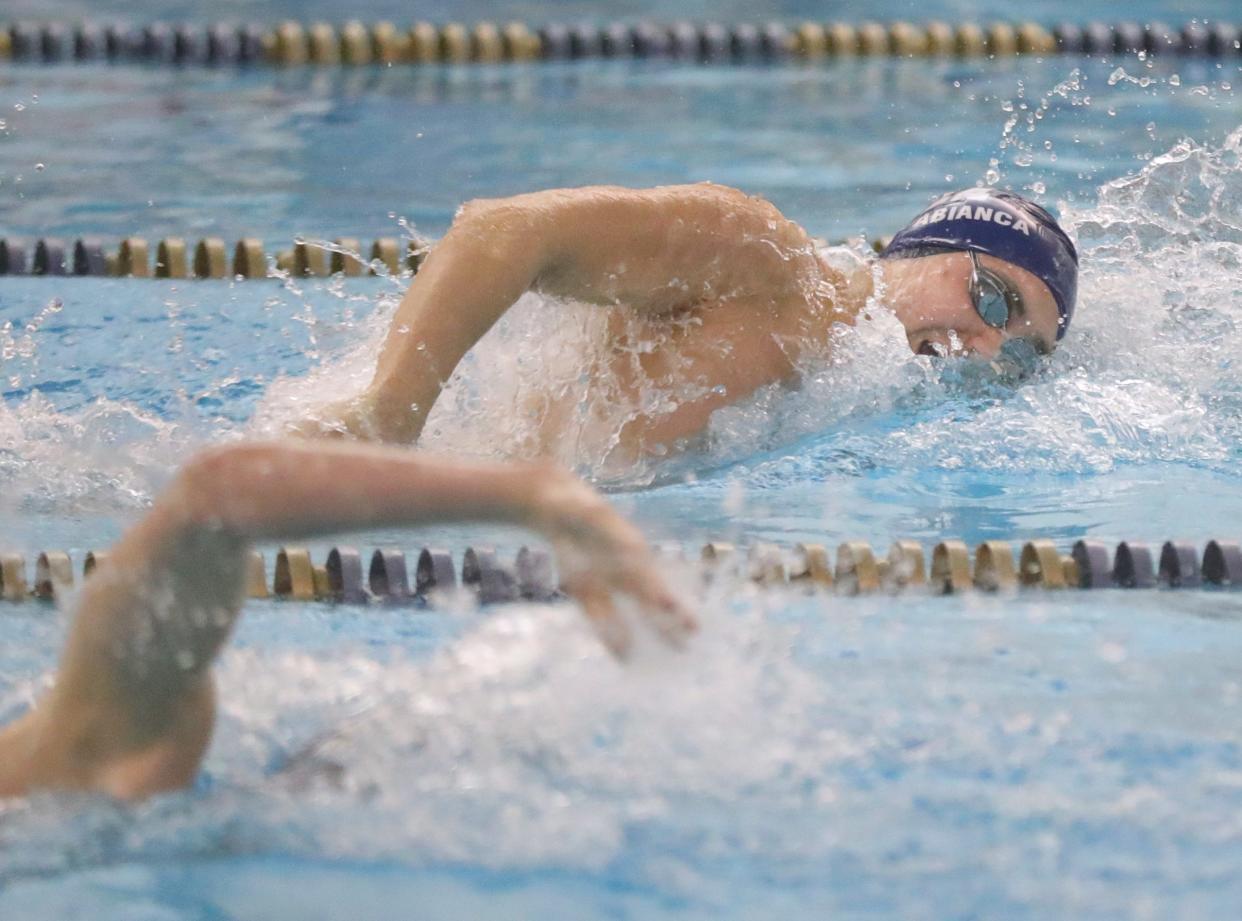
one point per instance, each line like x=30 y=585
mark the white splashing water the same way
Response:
x=885 y=749
x=108 y=456
x=521 y=744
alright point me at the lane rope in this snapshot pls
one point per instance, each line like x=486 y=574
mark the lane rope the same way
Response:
x=388 y=576
x=292 y=43
x=175 y=257
x=246 y=259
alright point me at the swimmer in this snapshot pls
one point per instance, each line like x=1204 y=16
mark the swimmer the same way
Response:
x=729 y=290
x=133 y=704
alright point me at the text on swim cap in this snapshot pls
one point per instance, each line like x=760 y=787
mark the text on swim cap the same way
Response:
x=972 y=213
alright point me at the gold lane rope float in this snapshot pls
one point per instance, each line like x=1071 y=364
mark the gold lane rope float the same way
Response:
x=387 y=575
x=354 y=44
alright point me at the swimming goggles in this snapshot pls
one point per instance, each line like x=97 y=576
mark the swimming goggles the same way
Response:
x=994 y=297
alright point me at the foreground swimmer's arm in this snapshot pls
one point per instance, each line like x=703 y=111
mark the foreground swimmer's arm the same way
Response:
x=132 y=708
x=656 y=251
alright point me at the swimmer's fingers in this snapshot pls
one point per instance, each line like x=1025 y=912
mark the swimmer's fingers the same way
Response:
x=601 y=612
x=602 y=556
x=633 y=571
x=661 y=607
x=348 y=418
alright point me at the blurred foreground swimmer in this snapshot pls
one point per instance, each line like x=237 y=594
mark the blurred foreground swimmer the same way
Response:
x=133 y=704
x=719 y=292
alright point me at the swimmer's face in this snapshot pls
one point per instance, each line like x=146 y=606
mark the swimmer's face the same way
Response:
x=931 y=297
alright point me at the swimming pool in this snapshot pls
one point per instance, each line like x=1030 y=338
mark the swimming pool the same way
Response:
x=921 y=757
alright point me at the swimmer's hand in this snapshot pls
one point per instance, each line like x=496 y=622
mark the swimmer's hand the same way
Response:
x=365 y=417
x=602 y=557
x=350 y=418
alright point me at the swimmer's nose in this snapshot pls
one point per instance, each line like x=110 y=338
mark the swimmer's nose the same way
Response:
x=985 y=343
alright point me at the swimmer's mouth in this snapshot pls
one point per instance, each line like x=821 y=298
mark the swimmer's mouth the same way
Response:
x=1018 y=357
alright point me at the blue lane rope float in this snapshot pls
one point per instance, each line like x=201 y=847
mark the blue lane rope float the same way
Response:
x=354 y=43
x=995 y=567
x=1133 y=567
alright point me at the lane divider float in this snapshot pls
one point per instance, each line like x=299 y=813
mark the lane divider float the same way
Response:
x=387 y=575
x=295 y=44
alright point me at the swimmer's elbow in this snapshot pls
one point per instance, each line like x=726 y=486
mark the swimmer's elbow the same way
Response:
x=217 y=487
x=495 y=216
x=498 y=237
x=200 y=478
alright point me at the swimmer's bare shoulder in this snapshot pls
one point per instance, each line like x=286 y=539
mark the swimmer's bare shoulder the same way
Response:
x=657 y=251
x=673 y=248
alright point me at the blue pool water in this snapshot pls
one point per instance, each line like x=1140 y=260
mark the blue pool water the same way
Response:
x=1027 y=757
x=844 y=148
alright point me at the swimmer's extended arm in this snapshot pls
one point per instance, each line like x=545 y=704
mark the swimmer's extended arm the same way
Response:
x=132 y=708
x=654 y=250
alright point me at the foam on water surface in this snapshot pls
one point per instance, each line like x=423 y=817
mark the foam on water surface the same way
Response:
x=1023 y=755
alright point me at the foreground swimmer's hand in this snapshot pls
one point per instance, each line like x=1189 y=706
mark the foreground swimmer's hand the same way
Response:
x=602 y=557
x=133 y=705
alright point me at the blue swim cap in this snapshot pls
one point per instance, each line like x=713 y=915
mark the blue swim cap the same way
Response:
x=1001 y=224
